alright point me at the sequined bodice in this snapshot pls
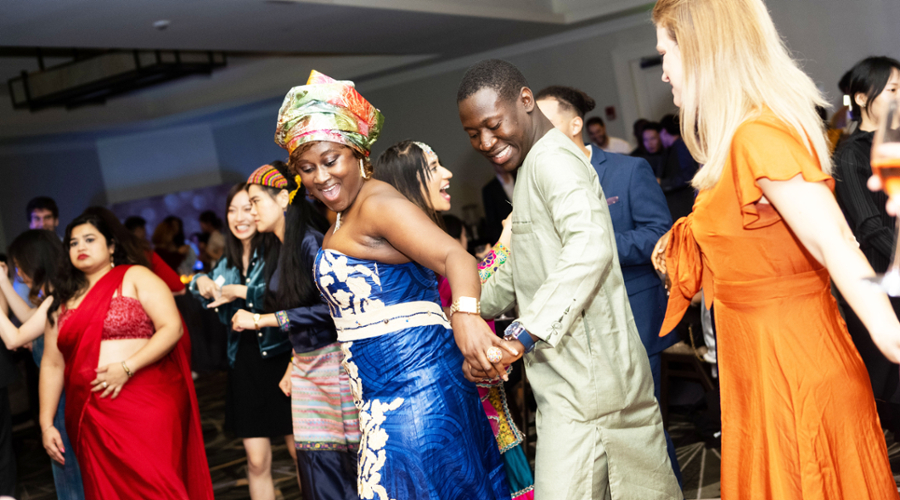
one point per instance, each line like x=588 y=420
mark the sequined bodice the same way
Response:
x=126 y=319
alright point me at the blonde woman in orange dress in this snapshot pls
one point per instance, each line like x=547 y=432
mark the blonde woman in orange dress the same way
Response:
x=764 y=241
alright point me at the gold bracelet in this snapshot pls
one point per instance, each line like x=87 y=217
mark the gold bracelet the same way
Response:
x=468 y=305
x=127 y=371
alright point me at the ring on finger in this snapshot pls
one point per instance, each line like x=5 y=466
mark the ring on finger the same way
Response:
x=494 y=354
x=104 y=385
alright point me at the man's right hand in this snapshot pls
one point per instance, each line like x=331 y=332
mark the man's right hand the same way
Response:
x=659 y=253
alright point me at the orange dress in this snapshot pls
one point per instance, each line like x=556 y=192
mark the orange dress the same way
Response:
x=798 y=416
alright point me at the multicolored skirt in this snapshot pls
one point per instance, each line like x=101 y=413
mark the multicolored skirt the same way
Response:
x=322 y=408
x=509 y=440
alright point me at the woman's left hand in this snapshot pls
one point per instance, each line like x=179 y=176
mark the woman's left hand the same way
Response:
x=285 y=384
x=110 y=379
x=242 y=320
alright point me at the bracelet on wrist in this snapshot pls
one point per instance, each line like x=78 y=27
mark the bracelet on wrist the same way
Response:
x=127 y=370
x=468 y=305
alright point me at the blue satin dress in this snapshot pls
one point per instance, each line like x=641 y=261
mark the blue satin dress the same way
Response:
x=424 y=432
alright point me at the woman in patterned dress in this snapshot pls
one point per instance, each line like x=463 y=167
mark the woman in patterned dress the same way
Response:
x=425 y=435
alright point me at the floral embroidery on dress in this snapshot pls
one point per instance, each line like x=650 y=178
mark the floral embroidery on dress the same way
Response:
x=359 y=281
x=372 y=414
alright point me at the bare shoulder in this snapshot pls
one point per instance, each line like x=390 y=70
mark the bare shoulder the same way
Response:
x=378 y=198
x=139 y=278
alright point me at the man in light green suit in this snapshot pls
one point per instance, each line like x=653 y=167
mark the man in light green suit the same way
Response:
x=600 y=433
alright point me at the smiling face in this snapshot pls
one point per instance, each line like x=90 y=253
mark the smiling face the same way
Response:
x=240 y=218
x=436 y=187
x=267 y=210
x=673 y=71
x=331 y=173
x=89 y=250
x=597 y=133
x=499 y=129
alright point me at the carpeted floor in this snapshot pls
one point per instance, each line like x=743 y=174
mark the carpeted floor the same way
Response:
x=699 y=459
x=227 y=460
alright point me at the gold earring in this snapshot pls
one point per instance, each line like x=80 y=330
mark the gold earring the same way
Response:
x=362 y=170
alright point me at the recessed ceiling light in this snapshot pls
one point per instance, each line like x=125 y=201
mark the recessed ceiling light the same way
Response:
x=162 y=24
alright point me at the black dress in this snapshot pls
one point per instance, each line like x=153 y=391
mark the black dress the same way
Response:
x=874 y=230
x=255 y=406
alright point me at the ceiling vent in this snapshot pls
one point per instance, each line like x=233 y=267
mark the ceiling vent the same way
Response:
x=94 y=79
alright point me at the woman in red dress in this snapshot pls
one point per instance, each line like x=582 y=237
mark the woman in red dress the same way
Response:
x=115 y=341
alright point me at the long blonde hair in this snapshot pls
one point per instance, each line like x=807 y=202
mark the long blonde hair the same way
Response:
x=735 y=64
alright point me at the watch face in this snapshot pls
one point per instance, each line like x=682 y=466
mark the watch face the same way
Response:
x=513 y=330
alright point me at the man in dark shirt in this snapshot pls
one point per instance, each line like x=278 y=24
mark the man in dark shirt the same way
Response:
x=678 y=169
x=496 y=197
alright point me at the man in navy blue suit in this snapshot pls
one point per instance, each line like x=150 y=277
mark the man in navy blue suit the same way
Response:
x=640 y=216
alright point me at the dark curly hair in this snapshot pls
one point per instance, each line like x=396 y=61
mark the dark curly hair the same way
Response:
x=496 y=74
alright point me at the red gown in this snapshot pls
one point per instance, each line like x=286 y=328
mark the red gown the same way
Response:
x=146 y=443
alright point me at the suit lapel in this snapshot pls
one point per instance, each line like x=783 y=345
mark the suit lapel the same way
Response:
x=598 y=160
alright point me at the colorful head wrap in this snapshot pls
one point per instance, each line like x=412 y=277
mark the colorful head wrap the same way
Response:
x=269 y=176
x=327 y=110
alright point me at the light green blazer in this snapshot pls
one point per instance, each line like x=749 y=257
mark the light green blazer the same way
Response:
x=590 y=374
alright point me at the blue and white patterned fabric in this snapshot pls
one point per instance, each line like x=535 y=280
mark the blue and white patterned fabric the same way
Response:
x=425 y=434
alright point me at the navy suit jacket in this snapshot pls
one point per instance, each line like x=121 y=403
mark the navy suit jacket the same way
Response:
x=640 y=216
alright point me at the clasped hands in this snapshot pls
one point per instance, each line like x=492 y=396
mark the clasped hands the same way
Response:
x=474 y=338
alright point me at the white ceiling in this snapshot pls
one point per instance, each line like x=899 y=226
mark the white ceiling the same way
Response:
x=269 y=41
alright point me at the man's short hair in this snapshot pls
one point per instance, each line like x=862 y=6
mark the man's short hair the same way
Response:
x=594 y=120
x=569 y=99
x=652 y=126
x=669 y=123
x=495 y=74
x=134 y=222
x=41 y=203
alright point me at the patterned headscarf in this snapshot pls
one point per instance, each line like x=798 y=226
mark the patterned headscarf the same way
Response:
x=327 y=110
x=268 y=176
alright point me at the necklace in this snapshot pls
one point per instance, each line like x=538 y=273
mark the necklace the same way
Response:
x=337 y=223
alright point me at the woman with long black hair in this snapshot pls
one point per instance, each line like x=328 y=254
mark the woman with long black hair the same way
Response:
x=37 y=255
x=255 y=408
x=326 y=423
x=114 y=338
x=415 y=170
x=872 y=84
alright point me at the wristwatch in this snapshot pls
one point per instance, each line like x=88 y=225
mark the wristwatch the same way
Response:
x=256 y=321
x=515 y=331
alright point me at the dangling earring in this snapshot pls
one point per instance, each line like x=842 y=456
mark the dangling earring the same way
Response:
x=112 y=262
x=362 y=170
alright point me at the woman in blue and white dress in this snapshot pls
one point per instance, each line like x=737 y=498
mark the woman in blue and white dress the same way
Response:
x=424 y=432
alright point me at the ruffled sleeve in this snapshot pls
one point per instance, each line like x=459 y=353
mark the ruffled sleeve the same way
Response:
x=768 y=148
x=685 y=272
